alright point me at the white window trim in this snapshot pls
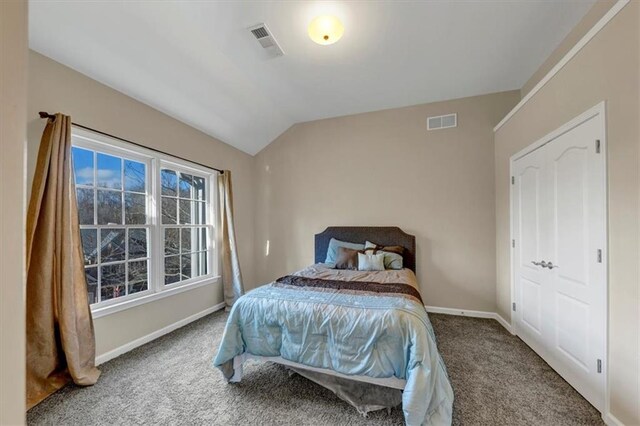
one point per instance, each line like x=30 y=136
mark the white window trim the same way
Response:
x=101 y=311
x=155 y=161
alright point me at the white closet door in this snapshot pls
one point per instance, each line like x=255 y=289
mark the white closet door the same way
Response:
x=577 y=241
x=559 y=229
x=528 y=211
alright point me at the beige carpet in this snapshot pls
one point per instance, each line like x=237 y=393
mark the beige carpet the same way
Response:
x=496 y=378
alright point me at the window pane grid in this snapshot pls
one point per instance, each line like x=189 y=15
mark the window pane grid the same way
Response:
x=117 y=212
x=184 y=198
x=176 y=266
x=118 y=262
x=91 y=187
x=117 y=222
x=184 y=224
x=135 y=226
x=182 y=254
x=127 y=278
x=183 y=262
x=124 y=207
x=171 y=225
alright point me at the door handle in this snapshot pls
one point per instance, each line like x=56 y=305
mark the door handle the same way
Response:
x=544 y=264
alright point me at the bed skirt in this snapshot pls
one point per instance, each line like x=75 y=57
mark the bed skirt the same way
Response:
x=365 y=394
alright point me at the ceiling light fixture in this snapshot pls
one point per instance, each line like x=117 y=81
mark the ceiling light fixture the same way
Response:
x=326 y=30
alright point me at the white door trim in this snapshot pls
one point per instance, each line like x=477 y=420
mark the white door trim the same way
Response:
x=598 y=110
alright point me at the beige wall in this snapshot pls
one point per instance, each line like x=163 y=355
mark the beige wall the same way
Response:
x=586 y=23
x=384 y=168
x=606 y=69
x=13 y=105
x=56 y=88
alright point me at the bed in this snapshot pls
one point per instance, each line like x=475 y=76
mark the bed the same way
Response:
x=362 y=334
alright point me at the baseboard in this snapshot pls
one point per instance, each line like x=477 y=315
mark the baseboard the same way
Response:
x=611 y=420
x=107 y=356
x=506 y=324
x=473 y=314
x=460 y=312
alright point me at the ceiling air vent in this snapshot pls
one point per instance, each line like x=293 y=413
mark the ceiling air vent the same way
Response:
x=442 y=122
x=266 y=39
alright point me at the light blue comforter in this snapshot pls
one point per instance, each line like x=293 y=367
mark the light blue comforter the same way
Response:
x=350 y=332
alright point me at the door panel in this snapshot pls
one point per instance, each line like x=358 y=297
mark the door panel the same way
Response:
x=577 y=284
x=528 y=209
x=569 y=182
x=531 y=305
x=572 y=337
x=530 y=179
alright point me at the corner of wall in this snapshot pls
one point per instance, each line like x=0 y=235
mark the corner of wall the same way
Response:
x=13 y=107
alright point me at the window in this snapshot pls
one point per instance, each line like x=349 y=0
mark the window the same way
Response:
x=146 y=220
x=113 y=196
x=184 y=212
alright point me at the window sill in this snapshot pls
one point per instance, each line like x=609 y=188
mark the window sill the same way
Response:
x=103 y=311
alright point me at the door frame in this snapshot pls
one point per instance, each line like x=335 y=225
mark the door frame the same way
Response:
x=599 y=111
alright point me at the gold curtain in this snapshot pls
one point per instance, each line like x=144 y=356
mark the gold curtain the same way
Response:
x=60 y=337
x=231 y=274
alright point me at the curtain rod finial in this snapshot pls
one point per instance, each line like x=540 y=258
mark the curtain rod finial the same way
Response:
x=44 y=114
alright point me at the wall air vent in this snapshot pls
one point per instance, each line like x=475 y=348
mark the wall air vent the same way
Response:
x=260 y=32
x=442 y=122
x=266 y=39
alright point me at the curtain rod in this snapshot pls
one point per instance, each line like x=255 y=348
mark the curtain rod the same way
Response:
x=44 y=114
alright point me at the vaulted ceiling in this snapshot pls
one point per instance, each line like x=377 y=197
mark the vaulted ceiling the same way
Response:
x=196 y=60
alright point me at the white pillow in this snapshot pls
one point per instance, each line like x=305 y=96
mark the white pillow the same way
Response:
x=370 y=262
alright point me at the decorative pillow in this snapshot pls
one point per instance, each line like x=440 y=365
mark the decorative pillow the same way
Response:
x=392 y=254
x=332 y=250
x=370 y=262
x=347 y=259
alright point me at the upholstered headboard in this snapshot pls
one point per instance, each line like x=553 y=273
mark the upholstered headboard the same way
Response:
x=383 y=235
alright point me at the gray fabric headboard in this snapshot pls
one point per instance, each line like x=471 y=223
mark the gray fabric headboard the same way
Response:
x=382 y=235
